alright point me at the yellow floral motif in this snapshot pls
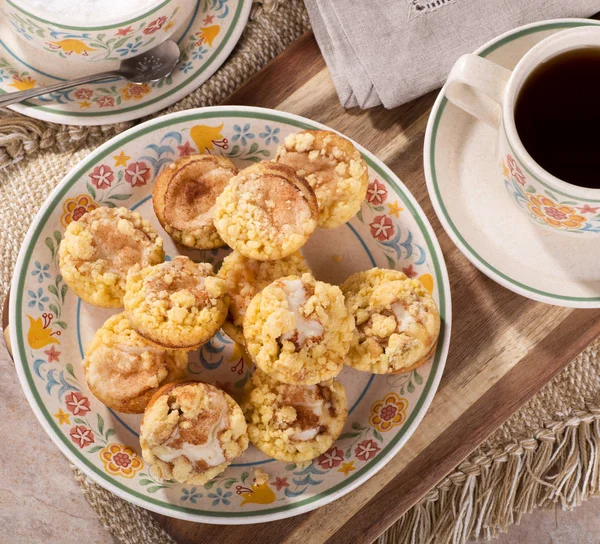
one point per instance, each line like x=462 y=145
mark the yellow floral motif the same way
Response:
x=121 y=159
x=556 y=215
x=505 y=170
x=259 y=494
x=75 y=208
x=395 y=209
x=135 y=92
x=208 y=34
x=169 y=26
x=427 y=281
x=85 y=104
x=389 y=412
x=70 y=46
x=40 y=334
x=346 y=468
x=205 y=136
x=63 y=417
x=22 y=83
x=120 y=460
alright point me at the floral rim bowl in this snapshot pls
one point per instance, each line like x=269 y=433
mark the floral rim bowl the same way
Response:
x=52 y=326
x=118 y=39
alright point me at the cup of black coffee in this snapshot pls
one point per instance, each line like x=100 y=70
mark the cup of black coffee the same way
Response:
x=547 y=116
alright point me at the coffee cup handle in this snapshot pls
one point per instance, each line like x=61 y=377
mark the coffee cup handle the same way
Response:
x=476 y=85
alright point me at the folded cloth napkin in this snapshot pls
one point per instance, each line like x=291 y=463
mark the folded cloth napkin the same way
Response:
x=391 y=51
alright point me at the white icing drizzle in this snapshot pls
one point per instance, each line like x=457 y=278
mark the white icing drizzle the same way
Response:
x=306 y=328
x=403 y=316
x=305 y=435
x=211 y=452
x=317 y=407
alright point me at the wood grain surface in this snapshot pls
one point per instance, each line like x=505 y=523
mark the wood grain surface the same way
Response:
x=504 y=347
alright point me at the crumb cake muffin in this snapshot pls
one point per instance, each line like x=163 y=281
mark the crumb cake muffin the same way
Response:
x=397 y=321
x=266 y=212
x=98 y=249
x=246 y=277
x=184 y=196
x=123 y=370
x=293 y=423
x=177 y=304
x=333 y=167
x=191 y=431
x=298 y=331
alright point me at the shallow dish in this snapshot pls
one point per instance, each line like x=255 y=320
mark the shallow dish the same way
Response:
x=115 y=38
x=52 y=327
x=205 y=38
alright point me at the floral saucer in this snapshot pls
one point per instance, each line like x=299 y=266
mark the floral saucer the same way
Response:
x=206 y=39
x=475 y=208
x=50 y=326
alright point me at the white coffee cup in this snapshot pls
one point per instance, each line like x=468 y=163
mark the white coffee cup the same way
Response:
x=489 y=92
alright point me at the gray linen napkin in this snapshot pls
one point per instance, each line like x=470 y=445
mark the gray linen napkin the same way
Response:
x=391 y=51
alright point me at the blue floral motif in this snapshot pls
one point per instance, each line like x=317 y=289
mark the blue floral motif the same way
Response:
x=198 y=54
x=270 y=134
x=241 y=133
x=37 y=298
x=190 y=494
x=185 y=67
x=129 y=48
x=219 y=497
x=3 y=75
x=40 y=271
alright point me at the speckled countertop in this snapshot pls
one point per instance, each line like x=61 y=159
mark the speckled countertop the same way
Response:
x=41 y=503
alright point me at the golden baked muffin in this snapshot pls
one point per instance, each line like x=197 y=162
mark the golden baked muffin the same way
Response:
x=334 y=168
x=177 y=304
x=98 y=249
x=266 y=212
x=123 y=370
x=245 y=277
x=191 y=431
x=397 y=321
x=293 y=423
x=184 y=196
x=298 y=331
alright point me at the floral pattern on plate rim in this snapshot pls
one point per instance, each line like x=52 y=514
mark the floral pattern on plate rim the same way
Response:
x=208 y=33
x=119 y=178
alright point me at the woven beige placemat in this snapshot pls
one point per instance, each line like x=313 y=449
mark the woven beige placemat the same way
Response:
x=546 y=454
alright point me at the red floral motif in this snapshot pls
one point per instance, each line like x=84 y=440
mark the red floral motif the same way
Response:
x=137 y=174
x=106 y=101
x=84 y=94
x=410 y=271
x=155 y=25
x=82 y=436
x=280 y=483
x=77 y=404
x=586 y=208
x=366 y=450
x=332 y=458
x=382 y=228
x=52 y=354
x=185 y=149
x=515 y=171
x=388 y=412
x=376 y=193
x=124 y=31
x=122 y=459
x=102 y=176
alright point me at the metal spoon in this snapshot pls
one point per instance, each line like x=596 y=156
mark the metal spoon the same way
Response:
x=153 y=65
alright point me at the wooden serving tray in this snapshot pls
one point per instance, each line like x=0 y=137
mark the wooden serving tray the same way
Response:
x=504 y=347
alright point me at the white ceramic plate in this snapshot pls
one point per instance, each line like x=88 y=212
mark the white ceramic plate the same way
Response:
x=52 y=326
x=474 y=207
x=206 y=40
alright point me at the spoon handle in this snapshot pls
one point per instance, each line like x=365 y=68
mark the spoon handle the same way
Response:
x=12 y=98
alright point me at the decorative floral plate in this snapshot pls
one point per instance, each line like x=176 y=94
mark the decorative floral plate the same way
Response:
x=471 y=199
x=52 y=326
x=206 y=40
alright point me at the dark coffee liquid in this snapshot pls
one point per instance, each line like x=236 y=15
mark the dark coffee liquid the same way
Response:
x=557 y=115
